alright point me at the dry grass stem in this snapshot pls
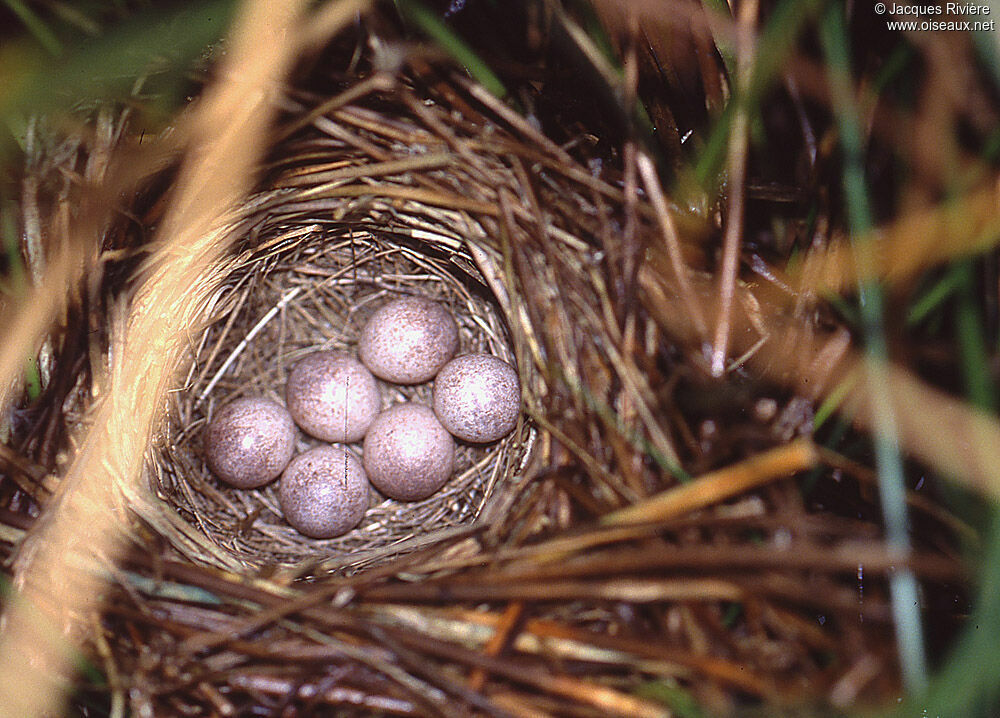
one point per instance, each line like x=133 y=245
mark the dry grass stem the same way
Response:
x=669 y=232
x=720 y=485
x=736 y=190
x=909 y=245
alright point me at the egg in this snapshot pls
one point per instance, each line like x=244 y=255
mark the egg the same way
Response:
x=324 y=492
x=477 y=397
x=332 y=396
x=249 y=442
x=408 y=340
x=408 y=455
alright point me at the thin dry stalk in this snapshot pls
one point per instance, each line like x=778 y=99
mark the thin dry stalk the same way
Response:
x=669 y=231
x=737 y=190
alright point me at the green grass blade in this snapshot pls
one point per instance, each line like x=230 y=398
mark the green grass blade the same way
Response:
x=721 y=9
x=32 y=379
x=451 y=43
x=903 y=587
x=969 y=684
x=36 y=26
x=668 y=692
x=988 y=42
x=107 y=66
x=833 y=401
x=979 y=386
x=16 y=273
x=935 y=296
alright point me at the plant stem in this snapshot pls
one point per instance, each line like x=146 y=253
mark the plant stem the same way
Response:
x=903 y=586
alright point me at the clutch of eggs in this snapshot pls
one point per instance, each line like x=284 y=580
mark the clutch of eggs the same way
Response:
x=409 y=449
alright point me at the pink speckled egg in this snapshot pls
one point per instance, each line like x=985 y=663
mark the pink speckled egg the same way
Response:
x=249 y=442
x=332 y=396
x=324 y=492
x=477 y=397
x=408 y=340
x=408 y=455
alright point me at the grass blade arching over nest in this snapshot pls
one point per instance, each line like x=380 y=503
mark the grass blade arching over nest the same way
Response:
x=113 y=450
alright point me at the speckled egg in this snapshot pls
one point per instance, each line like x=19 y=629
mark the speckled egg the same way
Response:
x=332 y=396
x=408 y=340
x=408 y=455
x=249 y=442
x=324 y=492
x=477 y=397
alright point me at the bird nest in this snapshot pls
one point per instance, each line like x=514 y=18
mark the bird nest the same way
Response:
x=309 y=275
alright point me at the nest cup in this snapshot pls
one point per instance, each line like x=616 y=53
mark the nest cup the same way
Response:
x=306 y=276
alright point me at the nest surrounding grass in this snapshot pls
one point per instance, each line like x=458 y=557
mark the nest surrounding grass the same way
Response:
x=653 y=540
